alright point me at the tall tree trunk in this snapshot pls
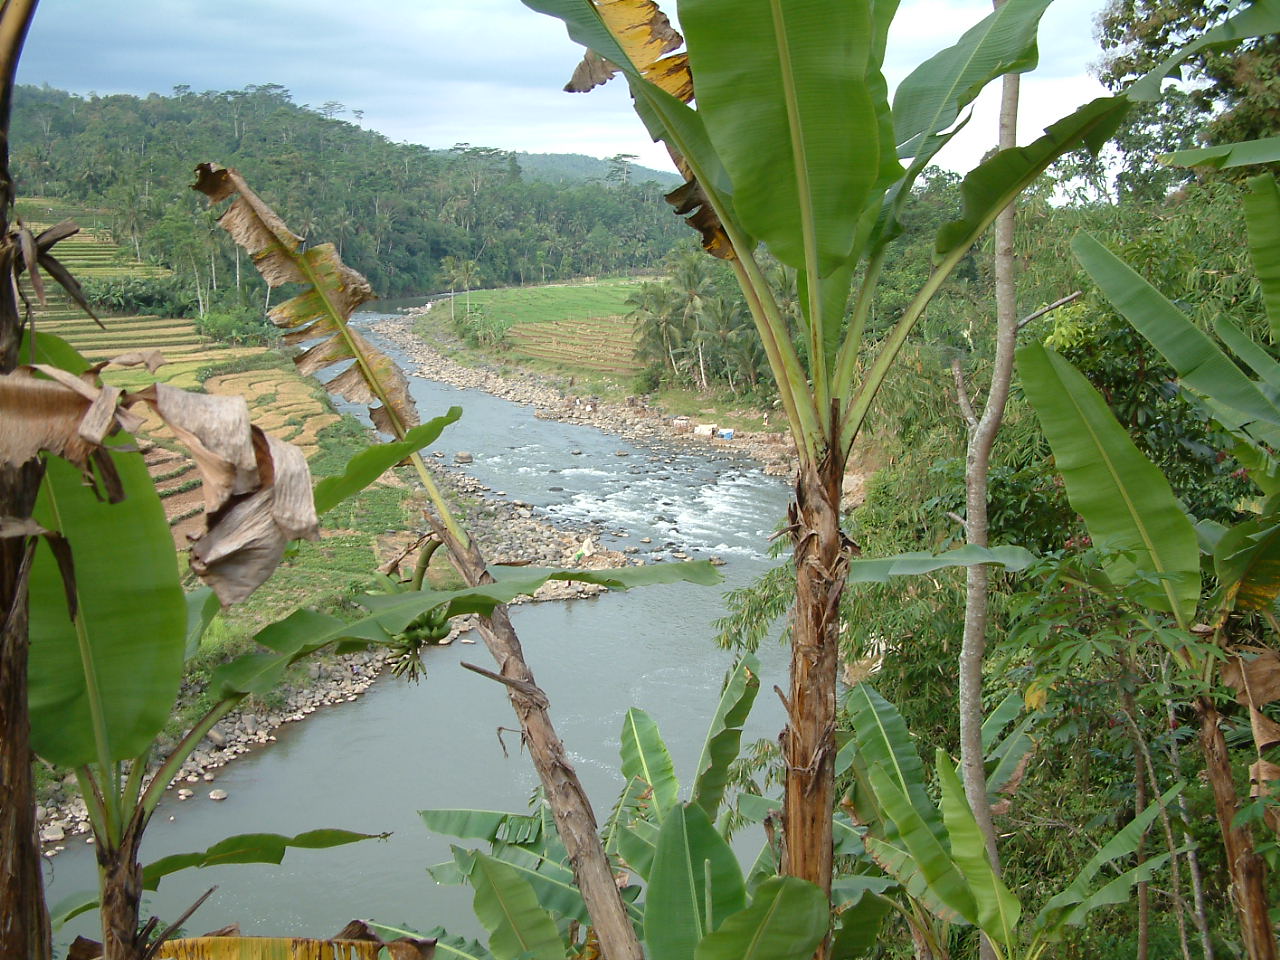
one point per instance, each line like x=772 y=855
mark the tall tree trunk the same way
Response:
x=1246 y=868
x=982 y=436
x=821 y=552
x=24 y=920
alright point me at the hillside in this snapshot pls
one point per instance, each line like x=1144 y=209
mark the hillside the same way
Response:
x=396 y=211
x=579 y=168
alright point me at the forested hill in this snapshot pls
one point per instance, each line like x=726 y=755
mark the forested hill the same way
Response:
x=579 y=168
x=395 y=210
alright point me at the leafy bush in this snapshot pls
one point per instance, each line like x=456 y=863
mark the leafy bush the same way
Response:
x=239 y=325
x=164 y=296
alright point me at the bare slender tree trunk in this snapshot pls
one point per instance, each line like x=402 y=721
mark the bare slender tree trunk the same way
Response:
x=573 y=814
x=982 y=436
x=1200 y=915
x=821 y=553
x=1246 y=868
x=24 y=919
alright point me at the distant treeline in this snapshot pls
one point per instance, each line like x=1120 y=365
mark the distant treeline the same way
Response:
x=395 y=210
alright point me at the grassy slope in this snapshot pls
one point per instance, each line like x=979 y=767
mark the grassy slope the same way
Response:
x=578 y=335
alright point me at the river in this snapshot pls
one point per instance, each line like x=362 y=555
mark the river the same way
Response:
x=372 y=764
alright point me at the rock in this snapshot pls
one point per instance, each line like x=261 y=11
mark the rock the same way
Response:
x=184 y=793
x=217 y=738
x=53 y=833
x=646 y=539
x=250 y=723
x=621 y=453
x=462 y=456
x=217 y=794
x=575 y=453
x=717 y=561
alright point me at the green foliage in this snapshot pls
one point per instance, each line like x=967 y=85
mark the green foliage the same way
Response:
x=1126 y=502
x=100 y=683
x=333 y=179
x=237 y=325
x=165 y=296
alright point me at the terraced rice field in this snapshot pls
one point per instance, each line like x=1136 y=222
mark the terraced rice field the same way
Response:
x=281 y=402
x=601 y=344
x=577 y=326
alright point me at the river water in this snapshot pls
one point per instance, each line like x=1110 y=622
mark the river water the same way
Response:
x=372 y=764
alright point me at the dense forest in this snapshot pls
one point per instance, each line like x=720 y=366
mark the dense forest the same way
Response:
x=395 y=210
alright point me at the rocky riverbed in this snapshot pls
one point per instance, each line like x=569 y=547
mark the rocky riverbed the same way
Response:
x=635 y=419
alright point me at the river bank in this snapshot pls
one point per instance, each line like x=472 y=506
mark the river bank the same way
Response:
x=634 y=420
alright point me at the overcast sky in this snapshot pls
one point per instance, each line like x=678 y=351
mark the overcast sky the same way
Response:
x=485 y=72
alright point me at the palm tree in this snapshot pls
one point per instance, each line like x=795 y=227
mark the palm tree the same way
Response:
x=656 y=310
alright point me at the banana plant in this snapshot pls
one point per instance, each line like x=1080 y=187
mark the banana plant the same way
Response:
x=936 y=853
x=1152 y=544
x=692 y=898
x=779 y=116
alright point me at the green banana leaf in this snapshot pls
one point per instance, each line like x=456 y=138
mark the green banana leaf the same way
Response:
x=1253 y=356
x=244 y=848
x=1225 y=155
x=998 y=909
x=202 y=607
x=101 y=686
x=447 y=947
x=695 y=883
x=552 y=882
x=1262 y=215
x=768 y=90
x=724 y=738
x=250 y=848
x=1004 y=714
x=638 y=845
x=928 y=871
x=1126 y=502
x=645 y=758
x=881 y=739
x=306 y=631
x=491 y=825
x=1200 y=365
x=1003 y=759
x=1260 y=18
x=1052 y=915
x=989 y=187
x=755 y=808
x=858 y=925
x=880 y=569
x=1114 y=891
x=1247 y=563
x=786 y=920
x=371 y=463
x=518 y=927
x=931 y=97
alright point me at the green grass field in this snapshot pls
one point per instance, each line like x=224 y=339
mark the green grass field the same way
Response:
x=576 y=328
x=577 y=301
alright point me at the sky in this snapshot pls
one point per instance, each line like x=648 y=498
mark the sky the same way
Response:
x=484 y=72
